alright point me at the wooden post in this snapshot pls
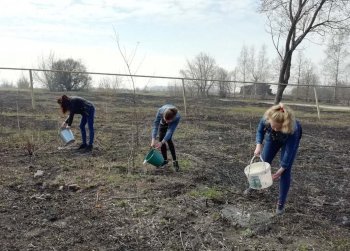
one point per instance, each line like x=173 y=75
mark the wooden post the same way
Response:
x=234 y=89
x=32 y=88
x=317 y=106
x=184 y=95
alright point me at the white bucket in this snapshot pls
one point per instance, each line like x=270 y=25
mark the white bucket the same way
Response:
x=67 y=136
x=258 y=174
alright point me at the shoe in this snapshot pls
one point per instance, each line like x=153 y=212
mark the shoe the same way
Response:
x=279 y=209
x=176 y=165
x=248 y=191
x=82 y=146
x=88 y=148
x=164 y=164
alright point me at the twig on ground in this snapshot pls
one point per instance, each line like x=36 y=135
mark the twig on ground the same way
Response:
x=182 y=243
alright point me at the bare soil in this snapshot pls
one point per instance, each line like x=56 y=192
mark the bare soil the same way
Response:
x=100 y=201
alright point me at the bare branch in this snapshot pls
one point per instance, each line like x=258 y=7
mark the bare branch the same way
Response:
x=293 y=20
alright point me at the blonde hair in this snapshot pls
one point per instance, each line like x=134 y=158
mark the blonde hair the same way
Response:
x=281 y=114
x=170 y=113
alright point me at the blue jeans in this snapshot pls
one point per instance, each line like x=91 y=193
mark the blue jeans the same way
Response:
x=89 y=119
x=289 y=148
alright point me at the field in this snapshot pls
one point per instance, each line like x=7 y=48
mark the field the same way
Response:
x=99 y=201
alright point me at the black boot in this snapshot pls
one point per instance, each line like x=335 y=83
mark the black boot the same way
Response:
x=279 y=209
x=82 y=146
x=164 y=164
x=176 y=165
x=89 y=148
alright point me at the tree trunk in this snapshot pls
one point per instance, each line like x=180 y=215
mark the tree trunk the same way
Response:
x=279 y=94
x=283 y=77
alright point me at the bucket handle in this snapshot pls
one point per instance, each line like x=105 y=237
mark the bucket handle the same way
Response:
x=251 y=162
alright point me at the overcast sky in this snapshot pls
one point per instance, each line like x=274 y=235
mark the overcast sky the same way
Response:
x=168 y=32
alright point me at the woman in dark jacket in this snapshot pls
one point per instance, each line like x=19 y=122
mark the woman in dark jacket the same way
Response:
x=78 y=105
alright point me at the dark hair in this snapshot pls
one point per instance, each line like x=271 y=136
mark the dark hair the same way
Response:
x=170 y=113
x=64 y=102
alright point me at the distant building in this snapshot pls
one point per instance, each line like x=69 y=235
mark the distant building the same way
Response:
x=261 y=90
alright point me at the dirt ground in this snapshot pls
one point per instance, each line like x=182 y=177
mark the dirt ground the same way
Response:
x=100 y=201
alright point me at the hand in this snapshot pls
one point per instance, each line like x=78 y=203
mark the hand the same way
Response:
x=64 y=125
x=153 y=143
x=278 y=174
x=258 y=149
x=159 y=145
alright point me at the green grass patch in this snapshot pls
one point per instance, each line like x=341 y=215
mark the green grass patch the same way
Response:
x=185 y=164
x=248 y=110
x=114 y=179
x=211 y=193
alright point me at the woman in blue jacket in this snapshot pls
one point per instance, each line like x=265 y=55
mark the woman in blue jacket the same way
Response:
x=281 y=131
x=78 y=105
x=166 y=121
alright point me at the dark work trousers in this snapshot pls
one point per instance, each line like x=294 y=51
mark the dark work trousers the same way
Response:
x=88 y=119
x=163 y=128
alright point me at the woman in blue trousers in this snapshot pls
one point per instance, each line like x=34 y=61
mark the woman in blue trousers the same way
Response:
x=78 y=105
x=281 y=132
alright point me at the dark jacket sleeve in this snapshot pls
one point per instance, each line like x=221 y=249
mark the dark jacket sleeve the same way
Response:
x=78 y=106
x=69 y=120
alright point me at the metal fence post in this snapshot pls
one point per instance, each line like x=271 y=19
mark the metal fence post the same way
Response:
x=317 y=106
x=184 y=95
x=32 y=88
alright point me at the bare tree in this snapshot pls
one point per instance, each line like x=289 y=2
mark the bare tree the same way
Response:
x=110 y=83
x=45 y=77
x=234 y=77
x=203 y=68
x=308 y=76
x=116 y=83
x=223 y=76
x=128 y=61
x=69 y=75
x=300 y=61
x=291 y=21
x=335 y=61
x=276 y=64
x=104 y=83
x=243 y=64
x=23 y=83
x=258 y=68
x=263 y=65
x=174 y=88
x=190 y=88
x=6 y=84
x=252 y=67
